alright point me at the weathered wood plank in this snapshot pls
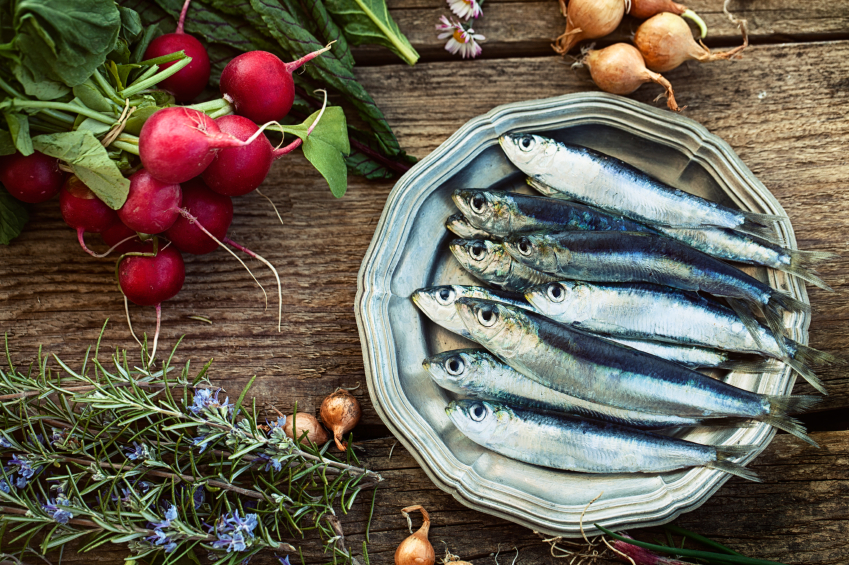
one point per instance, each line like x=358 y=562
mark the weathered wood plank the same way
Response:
x=522 y=28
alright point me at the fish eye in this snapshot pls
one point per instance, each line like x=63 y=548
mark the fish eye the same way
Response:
x=524 y=246
x=477 y=412
x=526 y=143
x=478 y=202
x=487 y=317
x=477 y=251
x=556 y=292
x=445 y=296
x=454 y=366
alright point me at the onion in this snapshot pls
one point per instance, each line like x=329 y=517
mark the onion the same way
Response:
x=340 y=412
x=306 y=423
x=644 y=9
x=619 y=69
x=588 y=19
x=416 y=549
x=665 y=41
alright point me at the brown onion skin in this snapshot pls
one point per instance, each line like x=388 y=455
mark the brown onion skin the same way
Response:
x=644 y=9
x=665 y=41
x=619 y=69
x=589 y=19
x=310 y=424
x=340 y=412
x=416 y=549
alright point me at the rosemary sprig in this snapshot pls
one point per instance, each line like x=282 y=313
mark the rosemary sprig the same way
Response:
x=156 y=460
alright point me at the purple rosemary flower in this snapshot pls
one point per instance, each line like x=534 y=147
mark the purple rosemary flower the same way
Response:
x=283 y=560
x=205 y=399
x=161 y=538
x=4 y=443
x=238 y=524
x=56 y=510
x=280 y=423
x=230 y=542
x=139 y=452
x=4 y=486
x=170 y=515
x=25 y=471
x=200 y=441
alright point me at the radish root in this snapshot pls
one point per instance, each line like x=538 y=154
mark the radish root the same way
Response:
x=270 y=201
x=129 y=322
x=280 y=151
x=262 y=259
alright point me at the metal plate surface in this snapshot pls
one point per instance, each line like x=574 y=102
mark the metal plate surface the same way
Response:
x=409 y=251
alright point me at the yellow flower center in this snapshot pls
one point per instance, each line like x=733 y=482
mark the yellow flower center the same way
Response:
x=458 y=36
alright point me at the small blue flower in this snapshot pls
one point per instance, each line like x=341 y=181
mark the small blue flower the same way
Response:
x=283 y=560
x=230 y=542
x=138 y=452
x=246 y=524
x=200 y=441
x=280 y=423
x=4 y=443
x=161 y=538
x=271 y=462
x=204 y=398
x=4 y=486
x=25 y=471
x=170 y=515
x=56 y=510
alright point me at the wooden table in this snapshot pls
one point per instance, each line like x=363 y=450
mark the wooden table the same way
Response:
x=782 y=107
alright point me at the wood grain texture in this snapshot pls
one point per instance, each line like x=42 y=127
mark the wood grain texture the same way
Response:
x=527 y=27
x=781 y=107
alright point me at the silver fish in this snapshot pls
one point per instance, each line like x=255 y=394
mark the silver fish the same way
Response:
x=490 y=262
x=506 y=213
x=694 y=357
x=610 y=184
x=437 y=303
x=641 y=257
x=459 y=225
x=597 y=370
x=477 y=373
x=574 y=444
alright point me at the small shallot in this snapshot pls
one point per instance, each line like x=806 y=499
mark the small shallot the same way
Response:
x=416 y=549
x=644 y=9
x=619 y=69
x=588 y=19
x=305 y=423
x=665 y=41
x=340 y=412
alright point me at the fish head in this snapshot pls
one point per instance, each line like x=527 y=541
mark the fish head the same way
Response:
x=478 y=256
x=461 y=371
x=498 y=327
x=531 y=153
x=437 y=303
x=535 y=250
x=485 y=209
x=459 y=225
x=562 y=299
x=477 y=419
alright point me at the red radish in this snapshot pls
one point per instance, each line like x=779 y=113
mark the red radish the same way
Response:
x=214 y=211
x=176 y=144
x=588 y=19
x=619 y=69
x=190 y=81
x=121 y=239
x=83 y=210
x=260 y=85
x=665 y=41
x=644 y=9
x=33 y=179
x=150 y=205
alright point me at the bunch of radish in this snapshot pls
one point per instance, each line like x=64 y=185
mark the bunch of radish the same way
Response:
x=663 y=42
x=191 y=166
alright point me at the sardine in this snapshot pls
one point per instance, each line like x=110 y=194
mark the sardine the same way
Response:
x=641 y=311
x=597 y=370
x=610 y=184
x=640 y=257
x=507 y=213
x=437 y=303
x=490 y=262
x=477 y=373
x=574 y=444
x=459 y=225
x=694 y=357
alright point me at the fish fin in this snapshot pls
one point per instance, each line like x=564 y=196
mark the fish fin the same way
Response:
x=802 y=265
x=781 y=406
x=811 y=356
x=774 y=312
x=759 y=224
x=747 y=365
x=807 y=373
x=724 y=452
x=781 y=300
x=744 y=312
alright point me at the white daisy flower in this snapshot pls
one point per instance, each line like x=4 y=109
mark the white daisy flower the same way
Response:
x=463 y=39
x=466 y=8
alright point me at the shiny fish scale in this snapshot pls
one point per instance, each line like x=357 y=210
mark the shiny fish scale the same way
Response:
x=573 y=444
x=610 y=184
x=650 y=312
x=479 y=374
x=494 y=265
x=597 y=370
x=505 y=213
x=732 y=246
x=687 y=355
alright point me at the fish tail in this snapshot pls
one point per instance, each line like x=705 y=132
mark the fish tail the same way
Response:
x=722 y=463
x=774 y=313
x=747 y=365
x=807 y=374
x=779 y=417
x=811 y=356
x=802 y=265
x=760 y=225
x=744 y=312
x=780 y=300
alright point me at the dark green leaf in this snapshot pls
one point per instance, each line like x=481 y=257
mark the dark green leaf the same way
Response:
x=366 y=159
x=329 y=31
x=131 y=24
x=19 y=130
x=367 y=22
x=65 y=40
x=325 y=146
x=90 y=95
x=90 y=162
x=13 y=216
x=151 y=31
x=139 y=117
x=7 y=144
x=38 y=85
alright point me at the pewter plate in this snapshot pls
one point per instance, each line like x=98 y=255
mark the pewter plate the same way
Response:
x=409 y=251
